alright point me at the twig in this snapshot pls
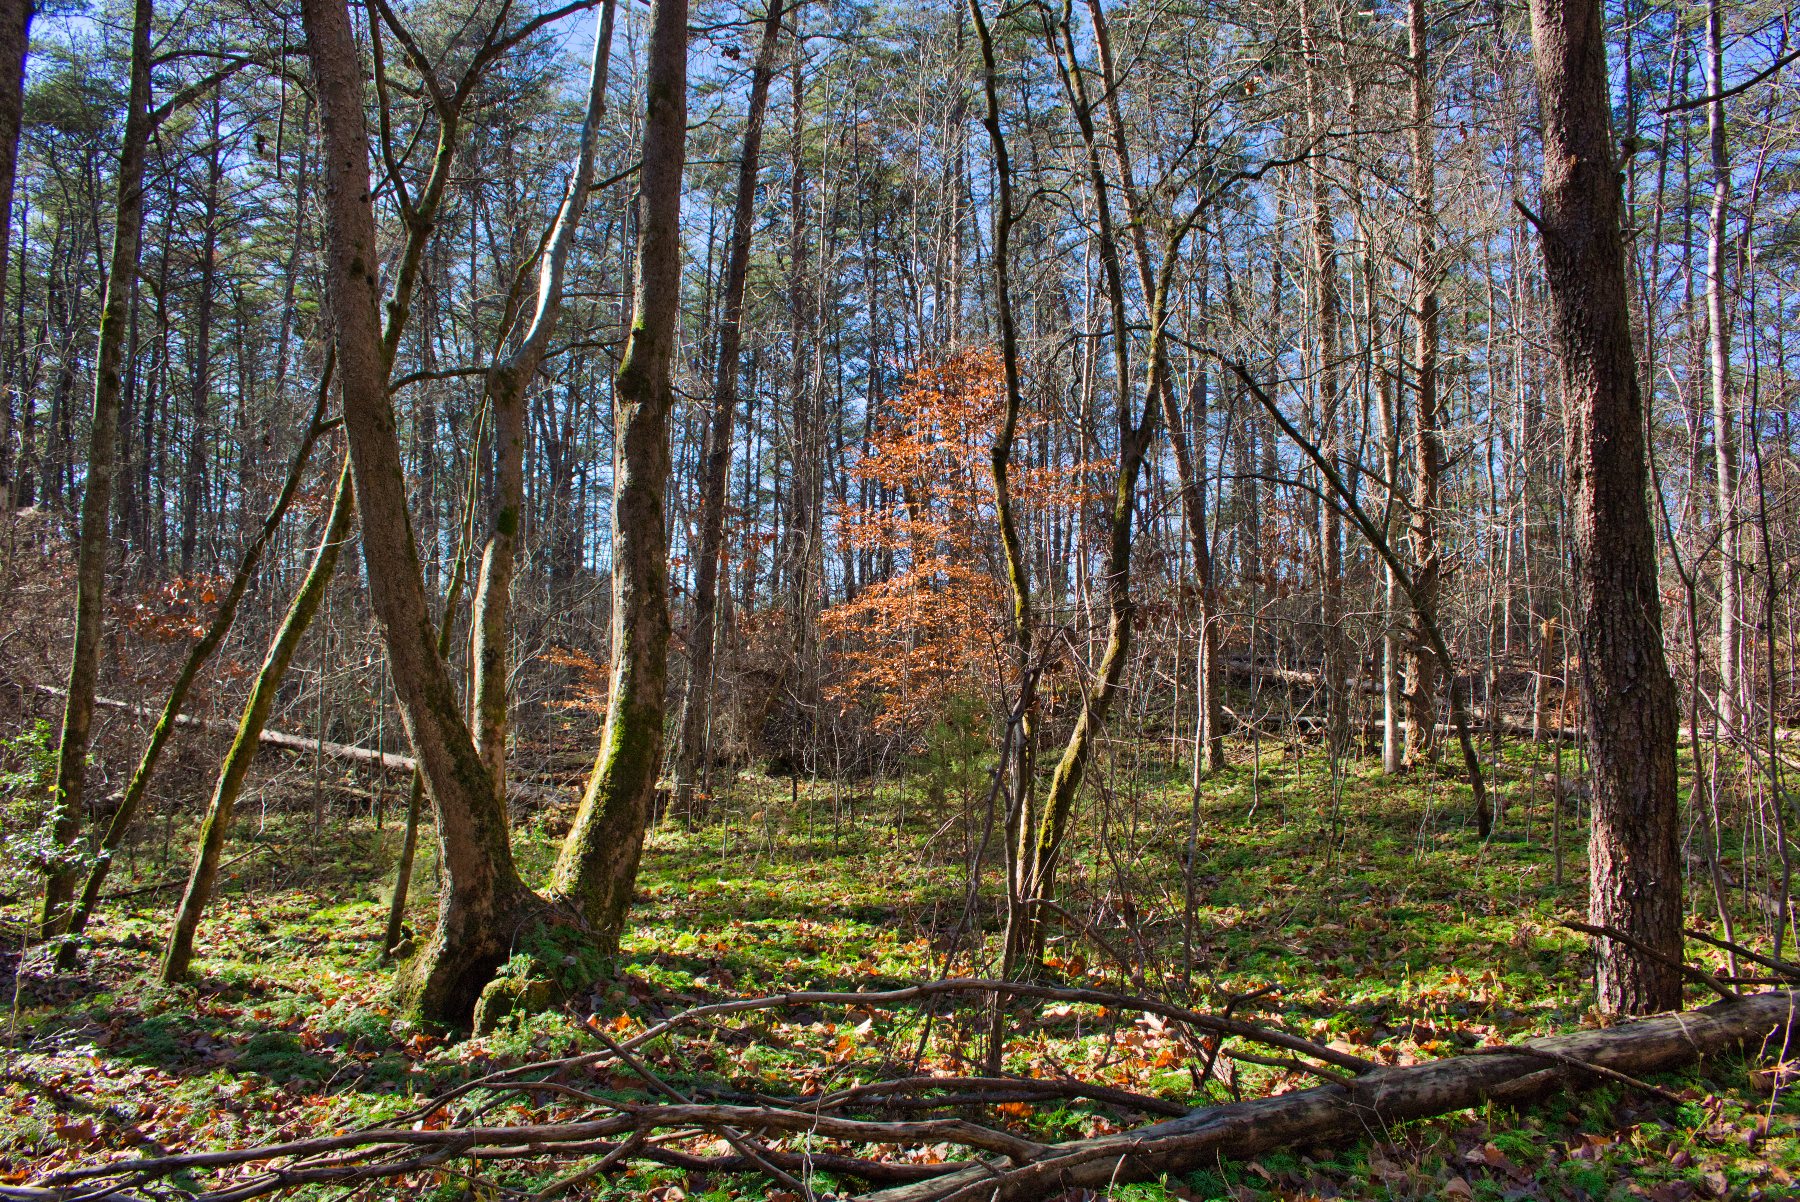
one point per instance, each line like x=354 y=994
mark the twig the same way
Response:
x=1586 y=1066
x=1725 y=992
x=990 y=1089
x=564 y=1184
x=1296 y=1066
x=737 y=1139
x=1789 y=970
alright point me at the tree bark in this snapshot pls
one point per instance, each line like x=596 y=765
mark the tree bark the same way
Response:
x=96 y=502
x=507 y=382
x=1635 y=874
x=695 y=746
x=599 y=860
x=483 y=903
x=1428 y=447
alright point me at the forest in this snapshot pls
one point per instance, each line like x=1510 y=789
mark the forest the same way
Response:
x=981 y=600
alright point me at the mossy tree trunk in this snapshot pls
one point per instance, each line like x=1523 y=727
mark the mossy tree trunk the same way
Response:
x=1040 y=841
x=198 y=657
x=484 y=902
x=102 y=466
x=599 y=861
x=179 y=952
x=1020 y=812
x=507 y=383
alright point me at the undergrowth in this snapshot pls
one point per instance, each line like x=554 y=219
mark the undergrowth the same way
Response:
x=1365 y=906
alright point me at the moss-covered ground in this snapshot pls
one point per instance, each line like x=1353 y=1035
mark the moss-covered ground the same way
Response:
x=1365 y=906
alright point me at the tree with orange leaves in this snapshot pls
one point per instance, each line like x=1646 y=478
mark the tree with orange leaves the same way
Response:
x=936 y=628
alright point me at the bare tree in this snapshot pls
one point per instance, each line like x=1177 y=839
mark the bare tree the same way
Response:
x=695 y=747
x=102 y=465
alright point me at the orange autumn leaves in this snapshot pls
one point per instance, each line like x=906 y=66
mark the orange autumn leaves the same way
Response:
x=933 y=628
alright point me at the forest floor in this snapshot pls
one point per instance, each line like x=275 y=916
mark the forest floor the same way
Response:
x=1387 y=927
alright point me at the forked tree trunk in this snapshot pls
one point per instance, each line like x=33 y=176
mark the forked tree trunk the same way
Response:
x=179 y=952
x=1635 y=873
x=96 y=502
x=599 y=861
x=1041 y=832
x=1019 y=807
x=483 y=903
x=694 y=752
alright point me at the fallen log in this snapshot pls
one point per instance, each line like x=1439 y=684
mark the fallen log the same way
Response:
x=385 y=760
x=535 y=790
x=1004 y=1166
x=1368 y=1105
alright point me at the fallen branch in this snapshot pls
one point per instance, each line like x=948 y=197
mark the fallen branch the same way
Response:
x=1789 y=971
x=174 y=882
x=1698 y=976
x=531 y=790
x=1369 y=1105
x=385 y=760
x=1003 y=1167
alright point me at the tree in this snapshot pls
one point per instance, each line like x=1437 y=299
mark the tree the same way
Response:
x=507 y=382
x=484 y=902
x=694 y=747
x=1635 y=872
x=599 y=860
x=15 y=39
x=97 y=498
x=1428 y=441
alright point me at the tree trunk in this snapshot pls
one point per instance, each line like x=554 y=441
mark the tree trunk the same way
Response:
x=236 y=766
x=599 y=860
x=1635 y=874
x=1042 y=838
x=1207 y=676
x=193 y=475
x=695 y=745
x=96 y=504
x=1428 y=447
x=507 y=382
x=1326 y=317
x=15 y=37
x=197 y=659
x=1718 y=348
x=483 y=903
